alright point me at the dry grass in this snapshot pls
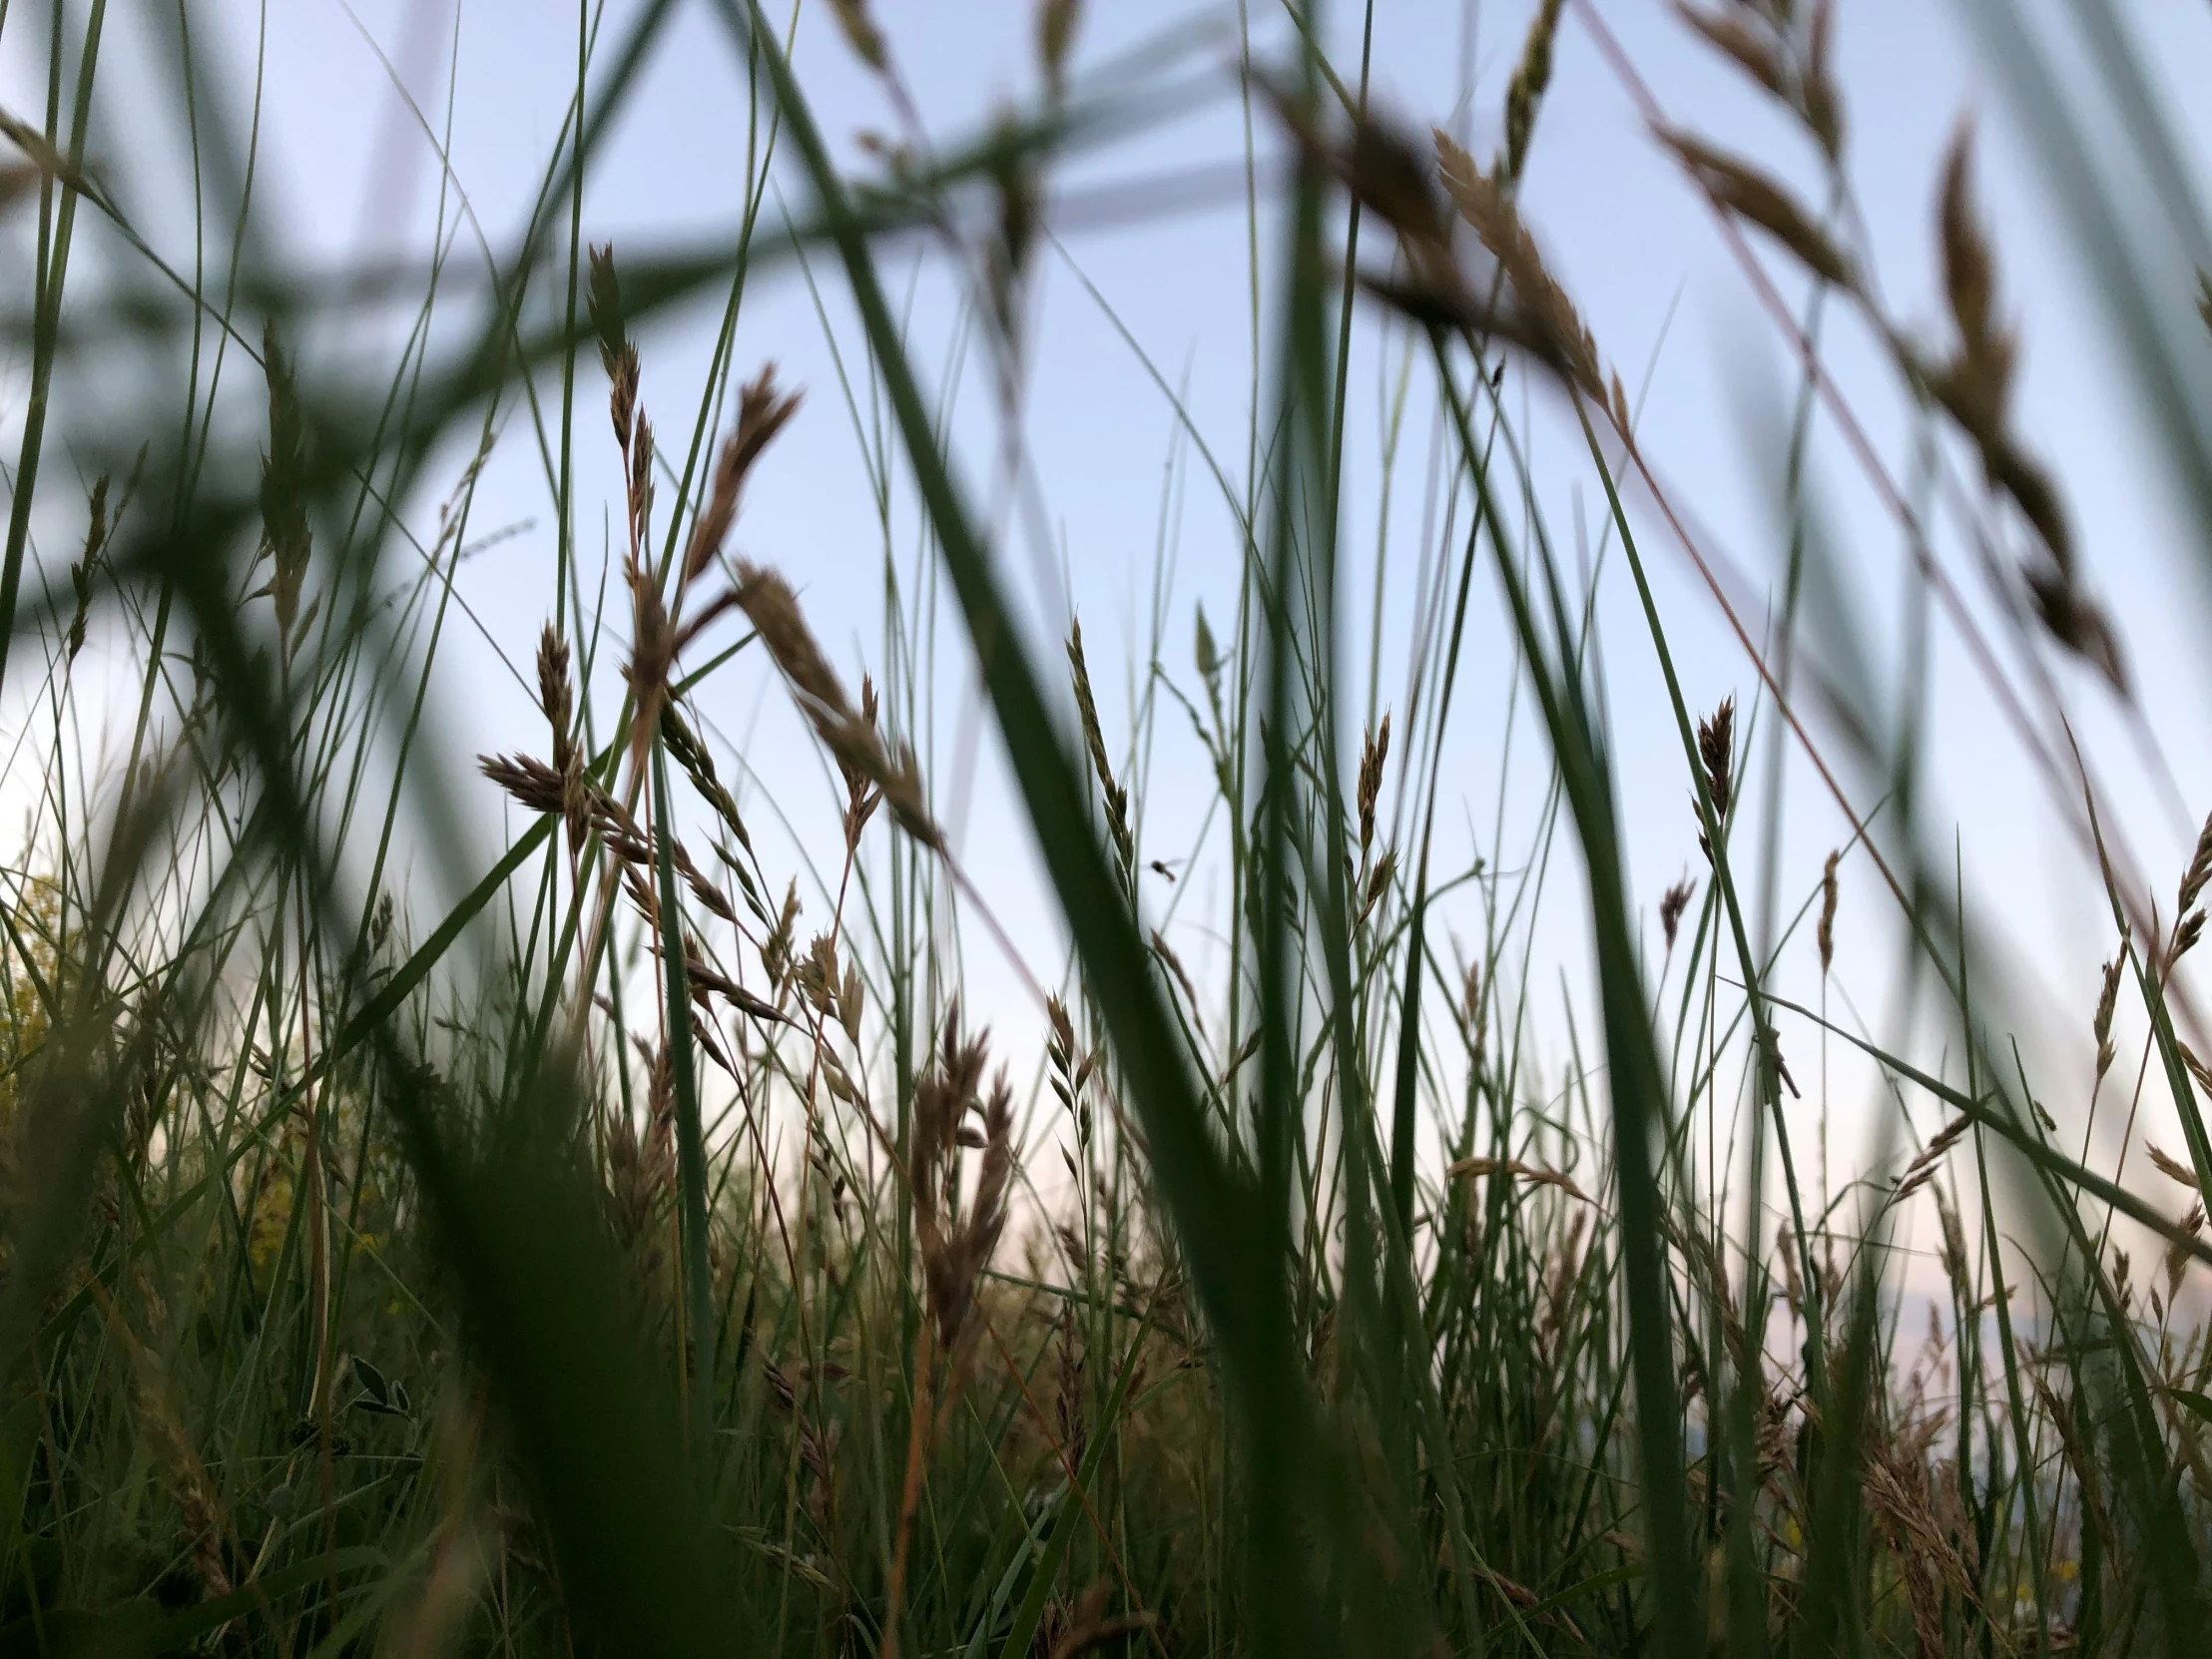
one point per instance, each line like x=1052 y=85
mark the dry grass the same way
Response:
x=621 y=1256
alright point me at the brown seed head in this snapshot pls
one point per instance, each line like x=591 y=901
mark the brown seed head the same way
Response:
x=2187 y=932
x=2070 y=617
x=1672 y=903
x=1825 y=934
x=652 y=655
x=1094 y=742
x=1479 y=1168
x=618 y=831
x=1823 y=106
x=2172 y=1168
x=772 y=607
x=1062 y=1041
x=2101 y=1023
x=1916 y=1171
x=857 y=25
x=1378 y=882
x=851 y=737
x=776 y=948
x=532 y=783
x=1379 y=164
x=1751 y=194
x=955 y=1247
x=80 y=573
x=2178 y=1254
x=1975 y=387
x=1543 y=320
x=1377 y=750
x=1954 y=1246
x=622 y=394
x=640 y=501
x=1733 y=31
x=283 y=495
x=641 y=896
x=1475 y=1011
x=603 y=299
x=762 y=411
x=2199 y=871
x=2194 y=1064
x=1057 y=22
x=1970 y=281
x=708 y=895
x=555 y=697
x=615 y=355
x=1716 y=747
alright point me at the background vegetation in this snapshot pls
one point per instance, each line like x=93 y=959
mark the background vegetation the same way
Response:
x=626 y=1255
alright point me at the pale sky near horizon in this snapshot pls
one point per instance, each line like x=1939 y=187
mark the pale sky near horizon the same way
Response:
x=346 y=173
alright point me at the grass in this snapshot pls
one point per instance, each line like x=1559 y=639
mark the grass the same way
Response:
x=608 y=1252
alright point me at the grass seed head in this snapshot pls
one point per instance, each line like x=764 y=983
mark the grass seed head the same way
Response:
x=80 y=573
x=1378 y=882
x=1543 y=320
x=1739 y=34
x=2069 y=615
x=1754 y=196
x=1820 y=101
x=1825 y=934
x=1475 y=1013
x=2187 y=932
x=1525 y=94
x=534 y=786
x=651 y=656
x=709 y=895
x=1969 y=279
x=858 y=23
x=2199 y=871
x=1094 y=743
x=776 y=948
x=851 y=737
x=2177 y=1249
x=2100 y=1024
x=640 y=500
x=1672 y=903
x=773 y=609
x=955 y=1242
x=1057 y=24
x=1955 y=1261
x=2172 y=1168
x=1371 y=757
x=763 y=409
x=615 y=355
x=283 y=494
x=1793 y=1281
x=1716 y=749
x=555 y=697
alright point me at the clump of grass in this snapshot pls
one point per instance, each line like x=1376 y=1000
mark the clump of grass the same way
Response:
x=598 y=1254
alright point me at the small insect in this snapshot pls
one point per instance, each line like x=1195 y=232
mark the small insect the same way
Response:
x=1160 y=867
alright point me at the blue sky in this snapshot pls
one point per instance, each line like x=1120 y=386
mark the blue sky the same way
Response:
x=347 y=172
